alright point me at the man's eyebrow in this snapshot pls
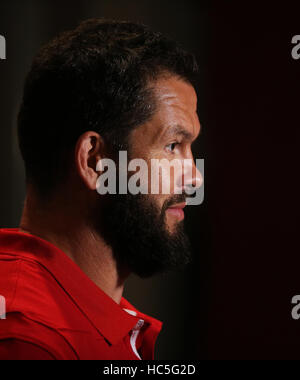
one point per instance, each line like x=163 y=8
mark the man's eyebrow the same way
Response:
x=178 y=129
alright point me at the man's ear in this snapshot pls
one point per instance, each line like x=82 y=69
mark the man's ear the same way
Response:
x=88 y=151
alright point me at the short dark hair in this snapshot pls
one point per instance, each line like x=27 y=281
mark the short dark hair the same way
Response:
x=95 y=77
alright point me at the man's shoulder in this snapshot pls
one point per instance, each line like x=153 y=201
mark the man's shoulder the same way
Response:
x=31 y=289
x=29 y=310
x=18 y=349
x=22 y=337
x=27 y=286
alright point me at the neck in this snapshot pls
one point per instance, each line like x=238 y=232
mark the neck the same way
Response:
x=60 y=224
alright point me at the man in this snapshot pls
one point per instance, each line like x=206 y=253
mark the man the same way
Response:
x=104 y=87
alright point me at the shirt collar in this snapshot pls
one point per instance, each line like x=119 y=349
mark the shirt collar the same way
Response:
x=108 y=317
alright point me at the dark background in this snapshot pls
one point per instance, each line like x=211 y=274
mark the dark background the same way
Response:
x=234 y=302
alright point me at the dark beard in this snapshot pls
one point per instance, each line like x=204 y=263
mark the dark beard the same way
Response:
x=135 y=228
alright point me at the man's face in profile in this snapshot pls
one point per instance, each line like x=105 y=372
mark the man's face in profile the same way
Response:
x=146 y=231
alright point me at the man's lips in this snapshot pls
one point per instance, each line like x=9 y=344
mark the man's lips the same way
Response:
x=177 y=210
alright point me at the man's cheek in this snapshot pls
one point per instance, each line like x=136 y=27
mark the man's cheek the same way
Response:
x=166 y=176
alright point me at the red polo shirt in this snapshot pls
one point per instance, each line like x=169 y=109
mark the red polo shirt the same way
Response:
x=54 y=311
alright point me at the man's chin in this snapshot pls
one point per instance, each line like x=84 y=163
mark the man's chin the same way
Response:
x=173 y=226
x=173 y=254
x=142 y=240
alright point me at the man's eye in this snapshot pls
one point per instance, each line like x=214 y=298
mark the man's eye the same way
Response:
x=171 y=147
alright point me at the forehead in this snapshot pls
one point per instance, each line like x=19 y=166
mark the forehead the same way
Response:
x=176 y=110
x=173 y=90
x=177 y=106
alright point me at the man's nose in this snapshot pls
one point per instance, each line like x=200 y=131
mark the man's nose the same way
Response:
x=193 y=178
